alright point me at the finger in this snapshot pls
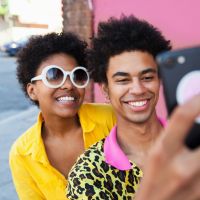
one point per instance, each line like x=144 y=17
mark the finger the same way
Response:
x=186 y=166
x=190 y=191
x=182 y=177
x=181 y=121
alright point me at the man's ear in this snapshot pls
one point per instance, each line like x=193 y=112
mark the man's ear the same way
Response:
x=31 y=90
x=104 y=89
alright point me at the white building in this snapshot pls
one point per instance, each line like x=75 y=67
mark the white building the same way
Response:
x=30 y=17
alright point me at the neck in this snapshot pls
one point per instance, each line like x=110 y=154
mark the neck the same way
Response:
x=57 y=126
x=137 y=138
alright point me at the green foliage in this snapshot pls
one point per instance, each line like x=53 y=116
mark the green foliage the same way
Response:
x=3 y=7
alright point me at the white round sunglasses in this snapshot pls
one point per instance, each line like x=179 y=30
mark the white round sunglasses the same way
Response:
x=54 y=76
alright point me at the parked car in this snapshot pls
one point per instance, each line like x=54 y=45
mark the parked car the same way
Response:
x=12 y=47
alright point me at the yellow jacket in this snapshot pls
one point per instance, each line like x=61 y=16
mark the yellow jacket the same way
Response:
x=33 y=175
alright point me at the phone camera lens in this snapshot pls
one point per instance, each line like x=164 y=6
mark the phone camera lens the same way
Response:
x=181 y=59
x=170 y=61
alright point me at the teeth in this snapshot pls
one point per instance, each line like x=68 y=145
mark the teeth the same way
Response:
x=137 y=103
x=66 y=99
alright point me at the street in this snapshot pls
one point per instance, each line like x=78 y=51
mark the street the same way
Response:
x=12 y=98
x=16 y=116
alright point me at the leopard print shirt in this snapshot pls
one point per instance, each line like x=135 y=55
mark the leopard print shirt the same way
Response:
x=91 y=178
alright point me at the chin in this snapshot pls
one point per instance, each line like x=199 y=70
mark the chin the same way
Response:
x=67 y=113
x=140 y=119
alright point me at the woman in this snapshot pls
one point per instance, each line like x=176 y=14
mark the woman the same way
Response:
x=51 y=70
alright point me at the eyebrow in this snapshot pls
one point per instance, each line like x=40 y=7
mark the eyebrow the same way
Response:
x=120 y=74
x=148 y=70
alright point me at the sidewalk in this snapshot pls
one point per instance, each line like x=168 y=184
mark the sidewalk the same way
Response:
x=10 y=129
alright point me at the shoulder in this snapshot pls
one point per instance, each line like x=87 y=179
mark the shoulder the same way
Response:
x=24 y=143
x=87 y=178
x=91 y=159
x=98 y=112
x=98 y=108
x=94 y=153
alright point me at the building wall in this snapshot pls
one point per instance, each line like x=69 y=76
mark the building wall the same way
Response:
x=30 y=17
x=5 y=34
x=177 y=19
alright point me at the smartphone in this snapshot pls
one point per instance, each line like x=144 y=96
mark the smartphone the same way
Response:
x=180 y=75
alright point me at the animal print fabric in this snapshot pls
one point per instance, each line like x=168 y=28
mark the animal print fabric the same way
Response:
x=91 y=178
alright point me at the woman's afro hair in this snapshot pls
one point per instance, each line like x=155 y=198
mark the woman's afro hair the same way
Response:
x=41 y=47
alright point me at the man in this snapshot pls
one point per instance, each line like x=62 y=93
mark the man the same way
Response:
x=122 y=60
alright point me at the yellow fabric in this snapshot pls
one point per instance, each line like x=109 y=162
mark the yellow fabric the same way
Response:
x=33 y=176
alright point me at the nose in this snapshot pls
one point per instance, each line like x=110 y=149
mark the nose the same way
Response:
x=136 y=87
x=67 y=84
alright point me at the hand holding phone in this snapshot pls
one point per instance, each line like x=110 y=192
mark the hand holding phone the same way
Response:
x=180 y=74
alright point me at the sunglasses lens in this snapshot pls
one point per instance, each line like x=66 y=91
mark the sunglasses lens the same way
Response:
x=54 y=76
x=80 y=77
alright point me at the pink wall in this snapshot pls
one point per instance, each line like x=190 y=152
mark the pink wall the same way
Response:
x=177 y=19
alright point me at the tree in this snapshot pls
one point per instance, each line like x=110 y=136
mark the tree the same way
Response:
x=78 y=18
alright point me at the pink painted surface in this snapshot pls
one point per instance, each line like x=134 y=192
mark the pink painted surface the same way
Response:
x=177 y=19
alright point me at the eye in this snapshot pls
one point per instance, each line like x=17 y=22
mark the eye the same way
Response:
x=122 y=80
x=147 y=78
x=54 y=74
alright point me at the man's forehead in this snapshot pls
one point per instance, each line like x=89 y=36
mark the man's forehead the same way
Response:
x=131 y=61
x=124 y=72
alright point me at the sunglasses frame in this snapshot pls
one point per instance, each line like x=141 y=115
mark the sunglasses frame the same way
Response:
x=42 y=76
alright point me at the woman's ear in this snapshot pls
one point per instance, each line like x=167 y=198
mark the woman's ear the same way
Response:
x=104 y=89
x=31 y=90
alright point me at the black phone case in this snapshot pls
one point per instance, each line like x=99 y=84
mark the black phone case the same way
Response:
x=173 y=66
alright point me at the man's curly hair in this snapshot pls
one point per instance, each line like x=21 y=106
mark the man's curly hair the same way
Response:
x=118 y=35
x=41 y=47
